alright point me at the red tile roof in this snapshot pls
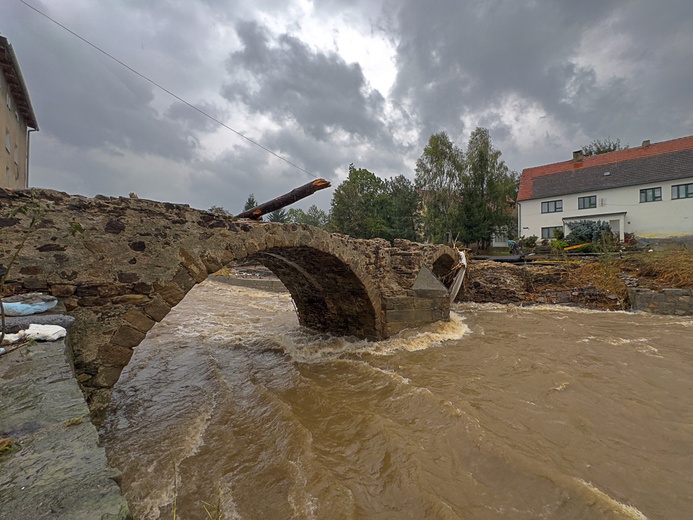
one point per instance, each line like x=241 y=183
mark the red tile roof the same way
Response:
x=529 y=175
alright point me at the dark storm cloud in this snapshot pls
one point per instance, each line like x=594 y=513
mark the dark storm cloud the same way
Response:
x=318 y=91
x=458 y=59
x=544 y=76
x=195 y=118
x=87 y=101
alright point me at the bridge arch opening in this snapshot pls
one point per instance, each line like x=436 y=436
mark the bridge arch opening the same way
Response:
x=329 y=296
x=444 y=267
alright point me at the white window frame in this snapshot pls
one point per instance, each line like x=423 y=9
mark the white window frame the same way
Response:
x=588 y=202
x=552 y=206
x=548 y=231
x=678 y=189
x=651 y=194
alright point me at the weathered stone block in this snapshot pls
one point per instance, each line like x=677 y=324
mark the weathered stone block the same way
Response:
x=62 y=290
x=31 y=270
x=194 y=266
x=35 y=284
x=106 y=377
x=115 y=355
x=170 y=292
x=128 y=277
x=184 y=280
x=130 y=299
x=108 y=291
x=127 y=336
x=70 y=304
x=83 y=378
x=157 y=309
x=138 y=320
x=114 y=226
x=143 y=288
x=399 y=303
x=211 y=263
x=410 y=317
x=92 y=301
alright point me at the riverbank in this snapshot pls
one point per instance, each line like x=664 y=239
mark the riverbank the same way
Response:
x=51 y=464
x=661 y=282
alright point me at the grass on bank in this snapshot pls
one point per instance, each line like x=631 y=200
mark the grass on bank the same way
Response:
x=667 y=269
x=672 y=269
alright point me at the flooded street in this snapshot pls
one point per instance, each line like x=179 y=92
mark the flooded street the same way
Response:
x=232 y=409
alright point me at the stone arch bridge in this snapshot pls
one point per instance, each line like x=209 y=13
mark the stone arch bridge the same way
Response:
x=119 y=265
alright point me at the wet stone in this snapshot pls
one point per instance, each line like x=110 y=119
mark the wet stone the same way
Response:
x=56 y=469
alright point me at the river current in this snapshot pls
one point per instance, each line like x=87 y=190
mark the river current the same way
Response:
x=230 y=410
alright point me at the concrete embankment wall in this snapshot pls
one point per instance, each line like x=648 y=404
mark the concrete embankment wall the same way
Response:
x=677 y=302
x=56 y=468
x=261 y=284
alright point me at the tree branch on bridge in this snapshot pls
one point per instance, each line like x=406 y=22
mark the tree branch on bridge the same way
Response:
x=284 y=200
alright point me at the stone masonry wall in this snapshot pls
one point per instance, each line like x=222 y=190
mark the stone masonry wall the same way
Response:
x=678 y=302
x=119 y=265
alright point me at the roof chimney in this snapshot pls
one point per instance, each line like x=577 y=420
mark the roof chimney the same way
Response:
x=577 y=156
x=646 y=142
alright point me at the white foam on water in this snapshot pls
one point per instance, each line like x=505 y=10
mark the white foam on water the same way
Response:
x=506 y=308
x=303 y=504
x=626 y=510
x=626 y=341
x=641 y=345
x=306 y=347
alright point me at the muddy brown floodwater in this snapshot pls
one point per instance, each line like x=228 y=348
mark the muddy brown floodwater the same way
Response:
x=505 y=412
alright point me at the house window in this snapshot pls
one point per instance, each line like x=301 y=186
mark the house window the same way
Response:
x=650 y=194
x=548 y=232
x=587 y=202
x=682 y=191
x=8 y=142
x=552 y=206
x=16 y=154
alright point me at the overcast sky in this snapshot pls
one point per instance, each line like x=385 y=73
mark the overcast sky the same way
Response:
x=332 y=82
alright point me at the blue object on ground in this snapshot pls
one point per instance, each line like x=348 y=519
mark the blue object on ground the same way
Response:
x=27 y=304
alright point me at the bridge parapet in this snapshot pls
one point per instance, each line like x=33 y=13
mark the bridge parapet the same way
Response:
x=119 y=265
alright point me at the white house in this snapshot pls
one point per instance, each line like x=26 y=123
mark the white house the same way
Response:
x=646 y=191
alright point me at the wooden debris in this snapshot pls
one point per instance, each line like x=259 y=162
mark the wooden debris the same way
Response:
x=284 y=200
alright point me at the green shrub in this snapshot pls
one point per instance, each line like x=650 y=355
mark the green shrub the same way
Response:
x=530 y=242
x=559 y=245
x=593 y=231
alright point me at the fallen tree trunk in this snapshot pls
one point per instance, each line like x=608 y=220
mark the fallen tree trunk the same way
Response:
x=284 y=200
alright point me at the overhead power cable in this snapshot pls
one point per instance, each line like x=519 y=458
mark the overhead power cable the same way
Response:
x=161 y=87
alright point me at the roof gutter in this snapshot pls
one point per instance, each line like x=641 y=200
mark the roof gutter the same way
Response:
x=28 y=149
x=28 y=115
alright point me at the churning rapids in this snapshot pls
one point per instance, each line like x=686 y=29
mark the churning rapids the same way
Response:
x=504 y=412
